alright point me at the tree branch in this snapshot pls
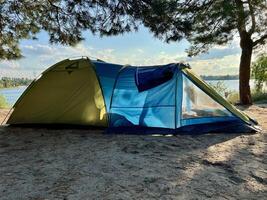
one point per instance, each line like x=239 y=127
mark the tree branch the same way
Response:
x=241 y=24
x=256 y=42
x=253 y=20
x=57 y=15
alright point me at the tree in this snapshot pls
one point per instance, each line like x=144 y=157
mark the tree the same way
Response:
x=63 y=20
x=212 y=22
x=259 y=72
x=204 y=23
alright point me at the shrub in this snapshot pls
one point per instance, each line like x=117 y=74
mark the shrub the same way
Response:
x=233 y=98
x=222 y=89
x=259 y=72
x=259 y=96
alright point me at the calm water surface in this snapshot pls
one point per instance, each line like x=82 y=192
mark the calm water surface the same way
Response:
x=12 y=94
x=232 y=85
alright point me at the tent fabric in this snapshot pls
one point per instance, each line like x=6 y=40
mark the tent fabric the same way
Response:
x=164 y=99
x=235 y=126
x=150 y=108
x=62 y=95
x=107 y=74
x=149 y=77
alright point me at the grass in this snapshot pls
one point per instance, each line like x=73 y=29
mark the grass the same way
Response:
x=233 y=97
x=257 y=97
x=3 y=102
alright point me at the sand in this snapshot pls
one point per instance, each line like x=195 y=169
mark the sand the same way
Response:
x=39 y=163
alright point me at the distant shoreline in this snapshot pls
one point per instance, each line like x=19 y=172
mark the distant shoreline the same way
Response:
x=219 y=78
x=14 y=87
x=8 y=82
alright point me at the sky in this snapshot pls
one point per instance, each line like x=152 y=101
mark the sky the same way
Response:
x=137 y=48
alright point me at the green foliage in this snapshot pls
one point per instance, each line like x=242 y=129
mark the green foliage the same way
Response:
x=3 y=102
x=63 y=20
x=259 y=72
x=206 y=23
x=203 y=22
x=6 y=82
x=257 y=97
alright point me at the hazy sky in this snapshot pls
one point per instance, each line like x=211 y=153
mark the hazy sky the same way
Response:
x=139 y=48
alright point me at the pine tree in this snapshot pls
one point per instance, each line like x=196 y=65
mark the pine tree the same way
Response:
x=204 y=23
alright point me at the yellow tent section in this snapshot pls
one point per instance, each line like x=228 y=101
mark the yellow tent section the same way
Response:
x=66 y=93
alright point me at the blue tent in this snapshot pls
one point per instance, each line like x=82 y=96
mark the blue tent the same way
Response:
x=165 y=98
x=148 y=99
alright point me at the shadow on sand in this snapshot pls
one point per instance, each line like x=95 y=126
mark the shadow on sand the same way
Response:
x=58 y=163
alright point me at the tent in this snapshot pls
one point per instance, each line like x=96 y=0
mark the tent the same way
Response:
x=149 y=99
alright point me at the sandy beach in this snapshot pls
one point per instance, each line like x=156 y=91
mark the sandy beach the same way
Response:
x=42 y=163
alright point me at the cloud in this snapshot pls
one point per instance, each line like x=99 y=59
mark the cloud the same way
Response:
x=37 y=49
x=220 y=60
x=217 y=66
x=38 y=57
x=9 y=64
x=140 y=50
x=218 y=52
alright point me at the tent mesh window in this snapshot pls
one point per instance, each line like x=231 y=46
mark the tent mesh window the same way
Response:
x=197 y=104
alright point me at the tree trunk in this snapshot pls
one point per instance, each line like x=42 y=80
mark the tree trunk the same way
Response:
x=244 y=70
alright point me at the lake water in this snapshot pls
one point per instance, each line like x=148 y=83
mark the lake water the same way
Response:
x=12 y=94
x=232 y=85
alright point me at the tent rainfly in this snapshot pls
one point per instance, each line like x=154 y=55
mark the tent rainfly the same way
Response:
x=149 y=99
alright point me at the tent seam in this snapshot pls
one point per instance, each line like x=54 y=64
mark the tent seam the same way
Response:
x=100 y=86
x=112 y=94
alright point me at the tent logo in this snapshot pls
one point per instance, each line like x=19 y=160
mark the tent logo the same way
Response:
x=70 y=68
